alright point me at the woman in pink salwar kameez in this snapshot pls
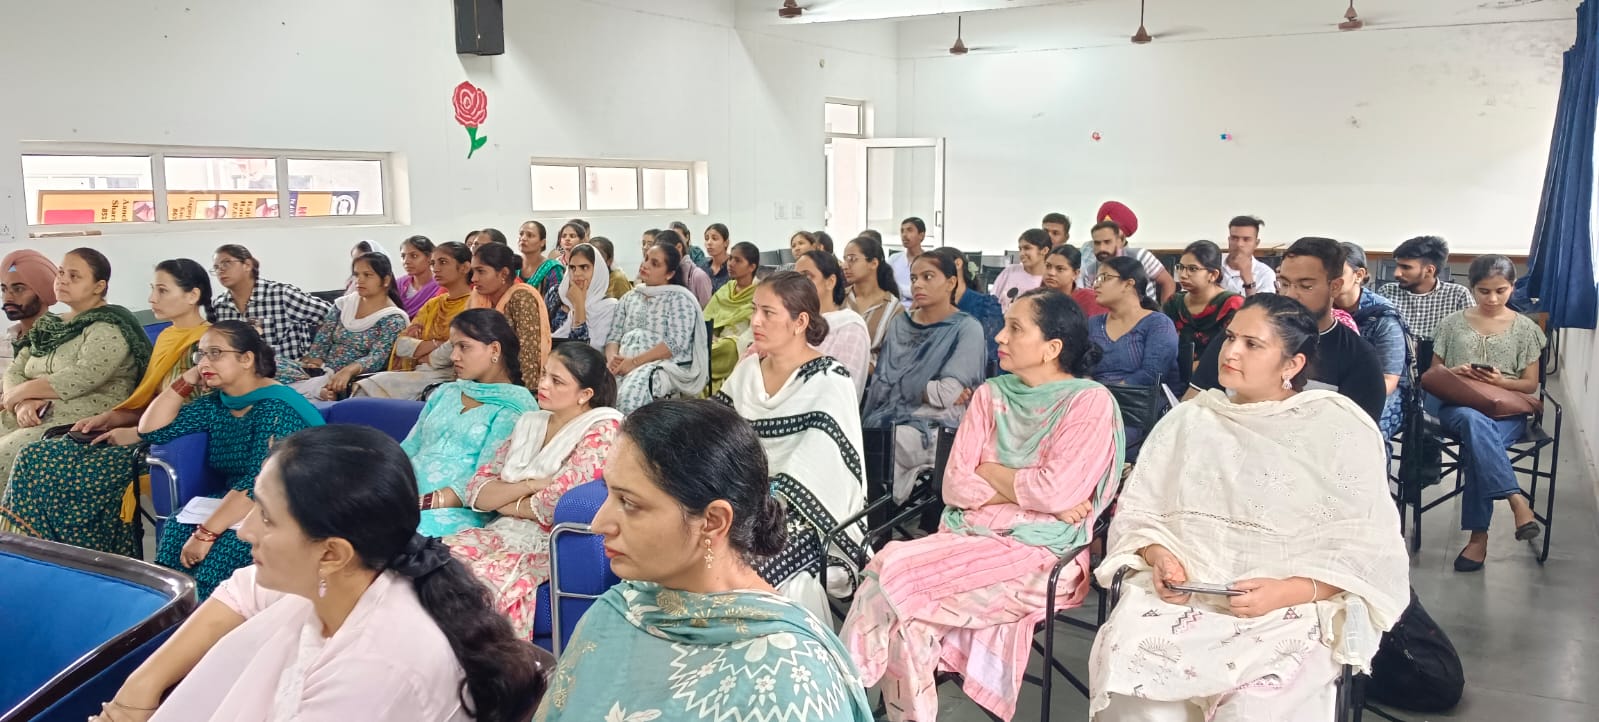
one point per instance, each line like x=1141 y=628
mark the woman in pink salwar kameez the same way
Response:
x=1034 y=462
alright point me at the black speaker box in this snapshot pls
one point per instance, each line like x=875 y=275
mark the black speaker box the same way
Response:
x=480 y=27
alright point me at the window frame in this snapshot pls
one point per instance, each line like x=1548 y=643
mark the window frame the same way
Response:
x=387 y=165
x=860 y=117
x=697 y=171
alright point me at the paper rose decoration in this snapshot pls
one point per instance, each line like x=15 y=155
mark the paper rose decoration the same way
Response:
x=471 y=108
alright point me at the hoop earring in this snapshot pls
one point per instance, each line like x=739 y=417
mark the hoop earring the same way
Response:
x=709 y=557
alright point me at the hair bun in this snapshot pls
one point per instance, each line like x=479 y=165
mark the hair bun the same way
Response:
x=422 y=556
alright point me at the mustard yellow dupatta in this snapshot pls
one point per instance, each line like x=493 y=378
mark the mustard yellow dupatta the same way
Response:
x=434 y=319
x=171 y=357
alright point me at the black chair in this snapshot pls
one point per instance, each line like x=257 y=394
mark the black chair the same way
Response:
x=1527 y=458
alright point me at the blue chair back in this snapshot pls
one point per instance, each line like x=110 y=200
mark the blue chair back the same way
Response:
x=579 y=570
x=178 y=473
x=153 y=330
x=76 y=623
x=394 y=417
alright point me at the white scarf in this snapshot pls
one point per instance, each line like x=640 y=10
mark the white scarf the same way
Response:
x=600 y=308
x=691 y=379
x=1276 y=489
x=530 y=458
x=347 y=305
x=811 y=432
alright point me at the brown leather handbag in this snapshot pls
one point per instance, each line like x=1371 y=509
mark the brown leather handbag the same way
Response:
x=1493 y=401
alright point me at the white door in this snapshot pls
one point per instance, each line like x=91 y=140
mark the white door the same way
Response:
x=879 y=182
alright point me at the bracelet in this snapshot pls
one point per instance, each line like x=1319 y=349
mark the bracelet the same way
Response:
x=1315 y=591
x=131 y=708
x=425 y=501
x=183 y=388
x=204 y=534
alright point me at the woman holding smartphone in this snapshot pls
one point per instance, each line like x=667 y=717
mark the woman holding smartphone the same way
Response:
x=1220 y=485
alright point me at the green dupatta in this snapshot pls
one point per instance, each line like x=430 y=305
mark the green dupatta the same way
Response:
x=729 y=306
x=277 y=391
x=50 y=332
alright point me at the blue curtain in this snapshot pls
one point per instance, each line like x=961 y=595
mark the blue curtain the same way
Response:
x=1560 y=270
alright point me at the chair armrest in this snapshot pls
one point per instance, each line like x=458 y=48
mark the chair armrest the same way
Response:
x=1116 y=585
x=183 y=463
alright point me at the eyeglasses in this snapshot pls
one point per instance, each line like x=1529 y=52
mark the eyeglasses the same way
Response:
x=1105 y=278
x=203 y=354
x=852 y=258
x=1189 y=269
x=223 y=266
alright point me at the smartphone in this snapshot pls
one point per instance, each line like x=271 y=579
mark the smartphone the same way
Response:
x=1484 y=368
x=1199 y=588
x=314 y=371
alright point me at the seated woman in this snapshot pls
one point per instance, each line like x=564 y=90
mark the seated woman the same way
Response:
x=718 y=249
x=971 y=300
x=1019 y=278
x=690 y=275
x=694 y=254
x=561 y=445
x=1034 y=463
x=543 y=273
x=1492 y=344
x=1202 y=306
x=349 y=614
x=729 y=312
x=494 y=286
x=74 y=366
x=356 y=337
x=848 y=340
x=81 y=493
x=587 y=312
x=465 y=420
x=803 y=407
x=657 y=347
x=931 y=363
x=873 y=292
x=1062 y=267
x=688 y=511
x=421 y=355
x=360 y=249
x=1137 y=345
x=1220 y=488
x=285 y=316
x=619 y=284
x=417 y=286
x=246 y=413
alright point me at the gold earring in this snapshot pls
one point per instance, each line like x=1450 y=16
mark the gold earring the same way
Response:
x=709 y=557
x=494 y=359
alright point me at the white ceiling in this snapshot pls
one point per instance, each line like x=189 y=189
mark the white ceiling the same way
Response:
x=1014 y=25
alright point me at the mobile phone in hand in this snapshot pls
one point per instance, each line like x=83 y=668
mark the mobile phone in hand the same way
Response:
x=1485 y=368
x=1200 y=588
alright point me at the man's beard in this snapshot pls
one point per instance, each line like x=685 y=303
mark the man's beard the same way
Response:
x=15 y=312
x=1104 y=256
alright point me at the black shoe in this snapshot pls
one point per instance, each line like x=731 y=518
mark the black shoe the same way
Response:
x=1462 y=564
x=1528 y=531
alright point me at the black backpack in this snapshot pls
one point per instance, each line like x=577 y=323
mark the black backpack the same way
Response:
x=1416 y=668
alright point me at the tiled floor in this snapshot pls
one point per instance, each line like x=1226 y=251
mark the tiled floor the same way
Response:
x=1528 y=634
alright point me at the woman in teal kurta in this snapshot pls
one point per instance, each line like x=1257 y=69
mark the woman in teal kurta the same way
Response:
x=466 y=421
x=247 y=414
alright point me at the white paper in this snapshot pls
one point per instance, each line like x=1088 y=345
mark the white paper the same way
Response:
x=200 y=509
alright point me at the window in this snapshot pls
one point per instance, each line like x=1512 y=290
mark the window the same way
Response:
x=95 y=185
x=844 y=118
x=567 y=185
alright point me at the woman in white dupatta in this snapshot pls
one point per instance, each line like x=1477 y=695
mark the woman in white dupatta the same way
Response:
x=1278 y=494
x=802 y=405
x=588 y=311
x=562 y=445
x=657 y=347
x=848 y=340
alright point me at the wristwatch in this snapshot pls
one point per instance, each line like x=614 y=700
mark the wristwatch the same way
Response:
x=1249 y=287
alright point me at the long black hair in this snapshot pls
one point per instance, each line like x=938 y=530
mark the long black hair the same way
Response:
x=422 y=244
x=587 y=366
x=1131 y=270
x=827 y=265
x=486 y=326
x=500 y=257
x=384 y=270
x=945 y=259
x=377 y=514
x=699 y=451
x=872 y=250
x=1295 y=325
x=190 y=276
x=671 y=245
x=1059 y=317
x=1209 y=257
x=245 y=339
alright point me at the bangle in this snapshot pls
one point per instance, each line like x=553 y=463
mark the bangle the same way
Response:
x=130 y=707
x=204 y=534
x=183 y=388
x=1315 y=591
x=425 y=501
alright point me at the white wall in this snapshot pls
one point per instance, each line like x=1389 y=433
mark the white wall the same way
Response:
x=620 y=78
x=1372 y=136
x=1578 y=378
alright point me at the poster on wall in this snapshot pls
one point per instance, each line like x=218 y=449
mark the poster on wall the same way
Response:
x=58 y=207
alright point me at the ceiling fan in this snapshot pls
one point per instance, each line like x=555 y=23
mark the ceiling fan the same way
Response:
x=960 y=48
x=790 y=10
x=1352 y=19
x=1142 y=36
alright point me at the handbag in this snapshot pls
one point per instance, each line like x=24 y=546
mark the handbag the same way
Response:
x=1493 y=401
x=1416 y=667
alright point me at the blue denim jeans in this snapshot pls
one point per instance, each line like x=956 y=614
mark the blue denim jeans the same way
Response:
x=1489 y=476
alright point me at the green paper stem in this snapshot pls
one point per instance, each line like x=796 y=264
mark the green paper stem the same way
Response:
x=477 y=141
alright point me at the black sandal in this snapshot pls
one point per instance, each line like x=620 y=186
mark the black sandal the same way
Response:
x=1528 y=531
x=1462 y=564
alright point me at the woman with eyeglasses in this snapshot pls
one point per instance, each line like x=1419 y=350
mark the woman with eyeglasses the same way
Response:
x=1137 y=344
x=284 y=315
x=873 y=292
x=77 y=490
x=246 y=414
x=1202 y=307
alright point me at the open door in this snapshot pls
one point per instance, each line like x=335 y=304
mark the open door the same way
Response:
x=878 y=182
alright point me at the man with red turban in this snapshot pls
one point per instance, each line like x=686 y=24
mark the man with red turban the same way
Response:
x=1115 y=223
x=28 y=280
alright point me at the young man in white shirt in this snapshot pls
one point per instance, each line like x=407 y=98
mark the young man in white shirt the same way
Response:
x=912 y=231
x=1243 y=273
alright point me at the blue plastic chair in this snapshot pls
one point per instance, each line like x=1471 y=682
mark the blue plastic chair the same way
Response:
x=579 y=569
x=77 y=623
x=154 y=329
x=394 y=417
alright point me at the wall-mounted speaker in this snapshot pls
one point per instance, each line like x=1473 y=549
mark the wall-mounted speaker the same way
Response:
x=479 y=27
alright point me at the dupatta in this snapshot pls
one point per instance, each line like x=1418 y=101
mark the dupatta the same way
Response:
x=171 y=352
x=279 y=392
x=914 y=354
x=434 y=320
x=50 y=333
x=415 y=297
x=739 y=656
x=480 y=301
x=1273 y=489
x=598 y=306
x=730 y=307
